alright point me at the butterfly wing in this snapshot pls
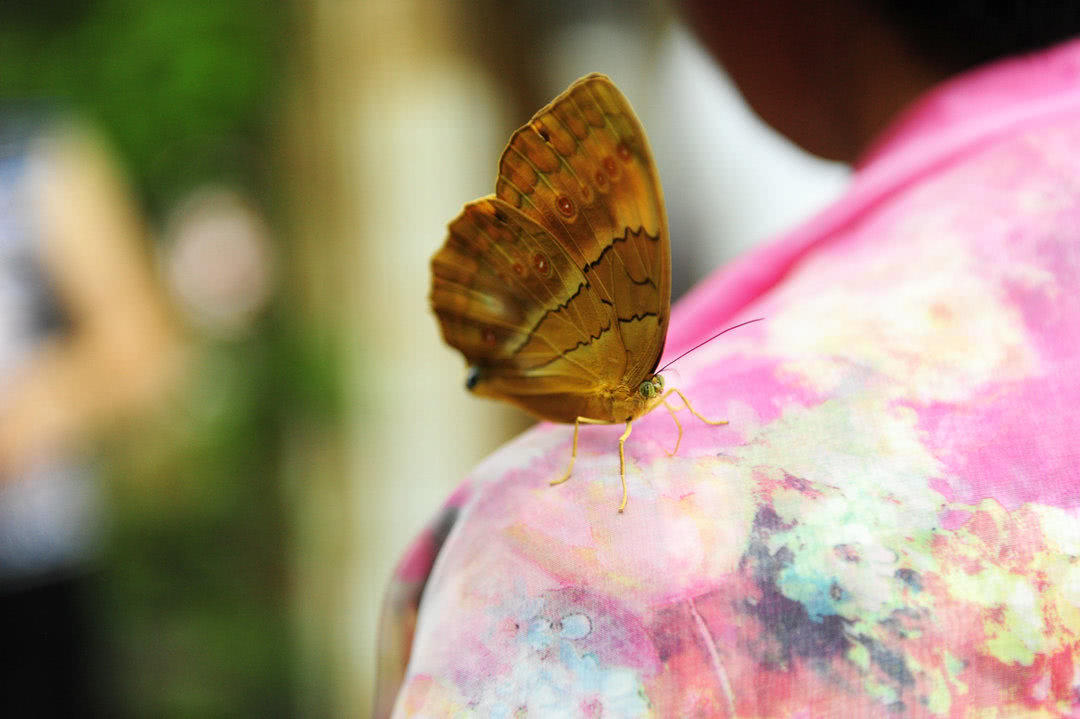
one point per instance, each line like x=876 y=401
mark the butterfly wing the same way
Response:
x=557 y=289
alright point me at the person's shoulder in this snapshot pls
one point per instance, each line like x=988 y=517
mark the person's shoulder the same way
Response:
x=821 y=545
x=886 y=523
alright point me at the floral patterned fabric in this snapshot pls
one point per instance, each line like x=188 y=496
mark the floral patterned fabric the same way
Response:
x=890 y=523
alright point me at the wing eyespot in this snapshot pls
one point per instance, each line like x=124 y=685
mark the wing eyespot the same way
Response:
x=565 y=205
x=543 y=267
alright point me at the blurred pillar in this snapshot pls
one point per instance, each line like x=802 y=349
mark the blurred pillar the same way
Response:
x=391 y=130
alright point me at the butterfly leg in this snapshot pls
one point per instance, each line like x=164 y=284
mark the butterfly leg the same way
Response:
x=573 y=456
x=671 y=411
x=686 y=403
x=573 y=452
x=622 y=465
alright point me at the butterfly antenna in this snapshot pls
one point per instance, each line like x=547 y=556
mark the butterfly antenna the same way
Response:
x=698 y=346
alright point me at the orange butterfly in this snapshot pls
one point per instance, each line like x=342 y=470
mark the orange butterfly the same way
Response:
x=557 y=289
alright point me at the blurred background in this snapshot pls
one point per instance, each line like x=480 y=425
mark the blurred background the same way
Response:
x=224 y=404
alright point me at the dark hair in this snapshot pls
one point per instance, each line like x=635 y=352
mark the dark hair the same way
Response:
x=959 y=34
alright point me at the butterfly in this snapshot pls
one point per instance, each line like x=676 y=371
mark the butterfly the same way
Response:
x=557 y=288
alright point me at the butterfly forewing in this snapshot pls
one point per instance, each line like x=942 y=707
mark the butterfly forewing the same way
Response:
x=558 y=288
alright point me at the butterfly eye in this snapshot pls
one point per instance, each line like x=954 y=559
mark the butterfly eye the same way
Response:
x=647 y=389
x=473 y=377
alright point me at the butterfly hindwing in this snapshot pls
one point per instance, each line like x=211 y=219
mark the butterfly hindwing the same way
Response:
x=513 y=301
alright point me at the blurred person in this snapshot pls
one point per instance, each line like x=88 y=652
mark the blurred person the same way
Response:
x=85 y=340
x=888 y=525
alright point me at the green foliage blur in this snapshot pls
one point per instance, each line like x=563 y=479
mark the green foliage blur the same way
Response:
x=191 y=610
x=184 y=90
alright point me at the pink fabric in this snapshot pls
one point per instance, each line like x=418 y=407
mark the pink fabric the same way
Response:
x=889 y=523
x=957 y=118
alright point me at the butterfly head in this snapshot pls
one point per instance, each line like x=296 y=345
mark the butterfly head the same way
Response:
x=651 y=388
x=634 y=404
